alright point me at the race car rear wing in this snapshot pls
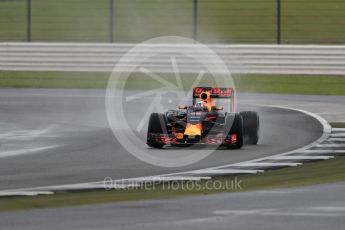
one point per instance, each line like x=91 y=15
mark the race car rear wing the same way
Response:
x=216 y=92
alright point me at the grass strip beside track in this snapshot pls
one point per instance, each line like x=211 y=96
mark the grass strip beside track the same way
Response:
x=225 y=21
x=338 y=125
x=308 y=174
x=286 y=84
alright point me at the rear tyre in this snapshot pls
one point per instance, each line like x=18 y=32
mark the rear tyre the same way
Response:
x=234 y=125
x=251 y=126
x=157 y=125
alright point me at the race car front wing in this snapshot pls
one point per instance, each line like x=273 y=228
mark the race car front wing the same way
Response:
x=168 y=139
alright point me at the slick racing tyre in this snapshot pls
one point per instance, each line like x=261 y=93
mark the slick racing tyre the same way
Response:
x=234 y=125
x=157 y=125
x=251 y=126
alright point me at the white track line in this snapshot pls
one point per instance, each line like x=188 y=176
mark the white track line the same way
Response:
x=336 y=139
x=267 y=164
x=338 y=130
x=12 y=153
x=338 y=135
x=322 y=151
x=224 y=171
x=301 y=157
x=24 y=193
x=330 y=145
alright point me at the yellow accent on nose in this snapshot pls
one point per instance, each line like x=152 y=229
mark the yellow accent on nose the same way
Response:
x=192 y=130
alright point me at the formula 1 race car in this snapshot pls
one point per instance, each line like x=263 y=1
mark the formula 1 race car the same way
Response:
x=205 y=122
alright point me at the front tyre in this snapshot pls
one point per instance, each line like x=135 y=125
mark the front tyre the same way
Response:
x=251 y=126
x=157 y=125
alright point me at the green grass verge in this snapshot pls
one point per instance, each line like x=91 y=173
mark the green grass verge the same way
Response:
x=287 y=84
x=338 y=125
x=219 y=21
x=292 y=84
x=53 y=80
x=308 y=174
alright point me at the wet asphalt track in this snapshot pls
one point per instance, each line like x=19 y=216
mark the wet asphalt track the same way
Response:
x=317 y=207
x=53 y=136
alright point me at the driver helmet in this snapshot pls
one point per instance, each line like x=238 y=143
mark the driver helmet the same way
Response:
x=200 y=104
